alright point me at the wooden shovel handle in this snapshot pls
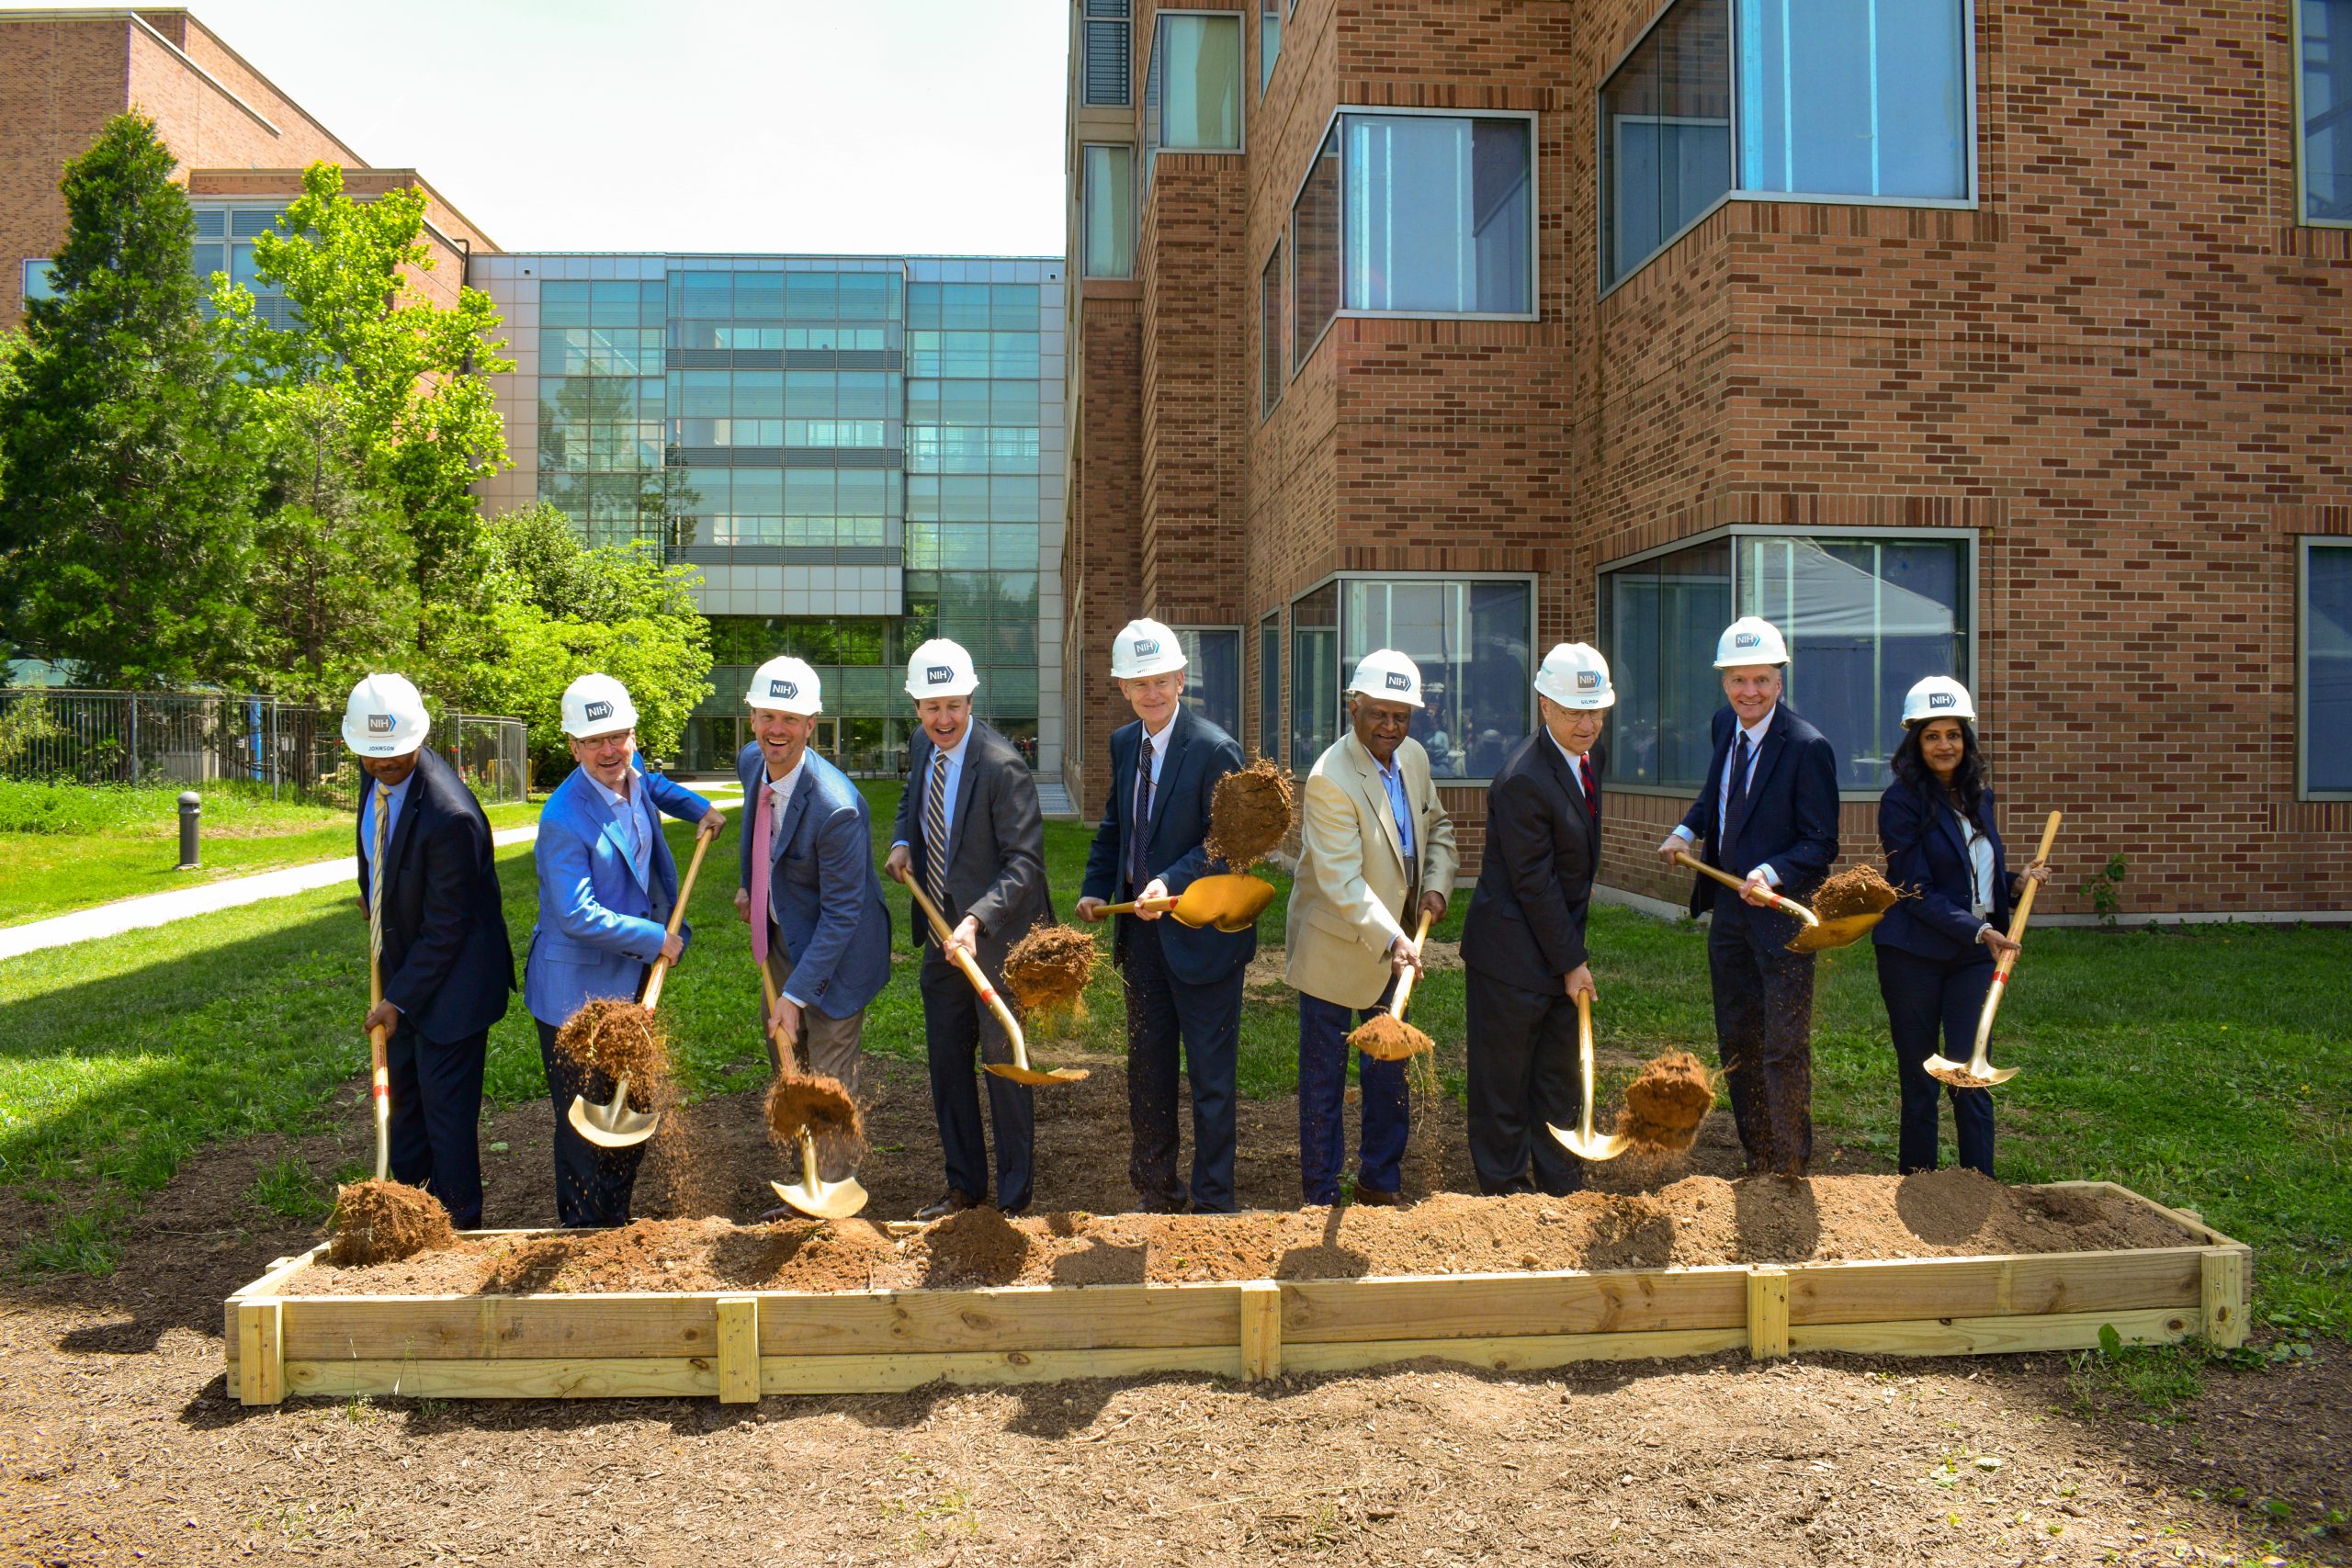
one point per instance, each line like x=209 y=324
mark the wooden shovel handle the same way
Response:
x=972 y=971
x=2000 y=985
x=1405 y=981
x=379 y=1073
x=1141 y=906
x=677 y=917
x=1738 y=884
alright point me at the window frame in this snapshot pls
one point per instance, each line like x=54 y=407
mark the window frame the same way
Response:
x=1278 y=257
x=1240 y=692
x=1271 y=621
x=1338 y=580
x=2302 y=191
x=1266 y=9
x=1151 y=132
x=2304 y=545
x=1085 y=16
x=1971 y=202
x=1730 y=533
x=1085 y=214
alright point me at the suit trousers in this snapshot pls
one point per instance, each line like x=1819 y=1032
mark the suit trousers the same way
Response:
x=1526 y=1071
x=1323 y=1052
x=437 y=1114
x=1161 y=1010
x=828 y=1047
x=591 y=1185
x=956 y=1024
x=1764 y=1033
x=1923 y=995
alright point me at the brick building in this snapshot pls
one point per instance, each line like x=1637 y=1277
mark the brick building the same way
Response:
x=1985 y=337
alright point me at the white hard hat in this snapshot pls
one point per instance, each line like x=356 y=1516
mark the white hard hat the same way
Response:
x=1145 y=648
x=1751 y=639
x=385 y=718
x=1390 y=676
x=940 y=669
x=1575 y=676
x=597 y=705
x=786 y=685
x=1937 y=696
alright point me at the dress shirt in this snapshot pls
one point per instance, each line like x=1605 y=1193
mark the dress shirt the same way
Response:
x=631 y=818
x=1755 y=733
x=1392 y=779
x=1979 y=865
x=1572 y=758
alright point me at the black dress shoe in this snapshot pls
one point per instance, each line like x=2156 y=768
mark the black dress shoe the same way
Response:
x=954 y=1204
x=1157 y=1203
x=1374 y=1197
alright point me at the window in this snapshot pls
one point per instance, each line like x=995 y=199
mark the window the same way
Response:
x=1109 y=206
x=37 y=279
x=1473 y=639
x=1270 y=684
x=1269 y=333
x=1315 y=678
x=1105 y=46
x=1866 y=618
x=2324 y=101
x=1314 y=250
x=2323 y=683
x=1437 y=215
x=1213 y=674
x=1269 y=40
x=1868 y=100
x=1192 y=94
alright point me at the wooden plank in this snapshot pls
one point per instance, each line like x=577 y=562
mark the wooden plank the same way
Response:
x=261 y=1353
x=739 y=1349
x=1262 y=1330
x=2223 y=1297
x=1505 y=1353
x=2187 y=1219
x=280 y=1270
x=1995 y=1335
x=1901 y=1290
x=897 y=1374
x=1511 y=1305
x=1015 y=1317
x=543 y=1327
x=1768 y=1313
x=580 y=1378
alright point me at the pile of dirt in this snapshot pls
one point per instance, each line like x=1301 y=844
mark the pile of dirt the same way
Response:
x=1665 y=1104
x=382 y=1222
x=1249 y=814
x=1049 y=970
x=1857 y=890
x=819 y=1105
x=1387 y=1038
x=620 y=1039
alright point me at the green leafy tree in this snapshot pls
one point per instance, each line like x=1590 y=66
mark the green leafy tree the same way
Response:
x=126 y=469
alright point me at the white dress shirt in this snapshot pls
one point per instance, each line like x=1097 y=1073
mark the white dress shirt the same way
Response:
x=1754 y=733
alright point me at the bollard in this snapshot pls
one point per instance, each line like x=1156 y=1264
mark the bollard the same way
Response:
x=191 y=809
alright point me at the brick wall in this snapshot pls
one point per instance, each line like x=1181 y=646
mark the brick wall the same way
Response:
x=1101 y=555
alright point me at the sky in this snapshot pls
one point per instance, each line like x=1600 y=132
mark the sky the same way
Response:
x=849 y=125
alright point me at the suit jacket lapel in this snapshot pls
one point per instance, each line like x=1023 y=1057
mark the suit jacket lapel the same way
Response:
x=1776 y=740
x=1375 y=795
x=1160 y=791
x=1570 y=784
x=795 y=805
x=966 y=781
x=620 y=840
x=405 y=828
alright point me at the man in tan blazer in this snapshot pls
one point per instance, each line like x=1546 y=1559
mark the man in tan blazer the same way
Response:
x=1375 y=852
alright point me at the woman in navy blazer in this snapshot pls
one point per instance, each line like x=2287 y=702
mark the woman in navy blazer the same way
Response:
x=1936 y=948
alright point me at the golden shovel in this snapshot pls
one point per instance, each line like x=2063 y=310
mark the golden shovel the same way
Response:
x=1980 y=1072
x=615 y=1126
x=813 y=1196
x=1739 y=884
x=1583 y=1143
x=1230 y=902
x=1018 y=1069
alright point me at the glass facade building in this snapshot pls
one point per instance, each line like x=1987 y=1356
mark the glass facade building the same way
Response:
x=856 y=452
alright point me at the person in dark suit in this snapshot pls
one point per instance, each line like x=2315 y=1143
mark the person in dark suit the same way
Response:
x=1522 y=943
x=428 y=878
x=1183 y=984
x=1935 y=950
x=970 y=835
x=1768 y=814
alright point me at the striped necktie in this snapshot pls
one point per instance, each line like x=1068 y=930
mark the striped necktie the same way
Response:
x=934 y=834
x=375 y=878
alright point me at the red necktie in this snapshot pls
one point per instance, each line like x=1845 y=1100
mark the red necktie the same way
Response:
x=1591 y=790
x=760 y=831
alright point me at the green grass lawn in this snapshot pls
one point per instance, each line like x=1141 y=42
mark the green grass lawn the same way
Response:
x=2208 y=1068
x=65 y=848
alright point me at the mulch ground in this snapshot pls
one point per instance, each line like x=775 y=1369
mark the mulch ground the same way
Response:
x=118 y=1446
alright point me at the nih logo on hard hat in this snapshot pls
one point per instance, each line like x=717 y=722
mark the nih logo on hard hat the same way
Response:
x=599 y=710
x=937 y=674
x=1399 y=683
x=1942 y=700
x=1147 y=646
x=379 y=724
x=783 y=688
x=1747 y=639
x=1588 y=681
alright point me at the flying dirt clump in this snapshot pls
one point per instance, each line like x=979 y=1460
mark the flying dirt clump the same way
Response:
x=1049 y=970
x=1857 y=890
x=382 y=1222
x=1666 y=1103
x=1249 y=814
x=620 y=1039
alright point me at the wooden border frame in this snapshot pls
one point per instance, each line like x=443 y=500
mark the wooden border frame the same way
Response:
x=737 y=1346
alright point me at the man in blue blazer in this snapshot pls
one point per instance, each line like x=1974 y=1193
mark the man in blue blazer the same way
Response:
x=606 y=886
x=446 y=963
x=1767 y=814
x=806 y=883
x=1182 y=982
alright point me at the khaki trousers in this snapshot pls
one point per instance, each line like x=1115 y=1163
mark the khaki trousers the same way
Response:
x=828 y=1047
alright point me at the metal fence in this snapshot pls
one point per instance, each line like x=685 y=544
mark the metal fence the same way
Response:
x=89 y=737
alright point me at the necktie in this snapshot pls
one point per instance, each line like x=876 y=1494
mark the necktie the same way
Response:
x=1140 y=830
x=761 y=836
x=934 y=834
x=1735 y=807
x=376 y=879
x=1591 y=789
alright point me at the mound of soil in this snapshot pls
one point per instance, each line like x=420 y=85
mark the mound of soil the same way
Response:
x=382 y=1222
x=1249 y=814
x=1049 y=969
x=621 y=1040
x=1857 y=890
x=821 y=1105
x=1666 y=1103
x=1698 y=1219
x=1386 y=1038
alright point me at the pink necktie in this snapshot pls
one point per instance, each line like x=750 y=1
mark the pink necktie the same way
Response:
x=761 y=815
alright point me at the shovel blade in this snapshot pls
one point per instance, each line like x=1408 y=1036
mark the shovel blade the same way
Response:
x=824 y=1200
x=1593 y=1146
x=1230 y=902
x=1943 y=1069
x=1842 y=931
x=608 y=1129
x=1034 y=1077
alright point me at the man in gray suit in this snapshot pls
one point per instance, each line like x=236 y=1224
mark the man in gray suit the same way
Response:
x=970 y=835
